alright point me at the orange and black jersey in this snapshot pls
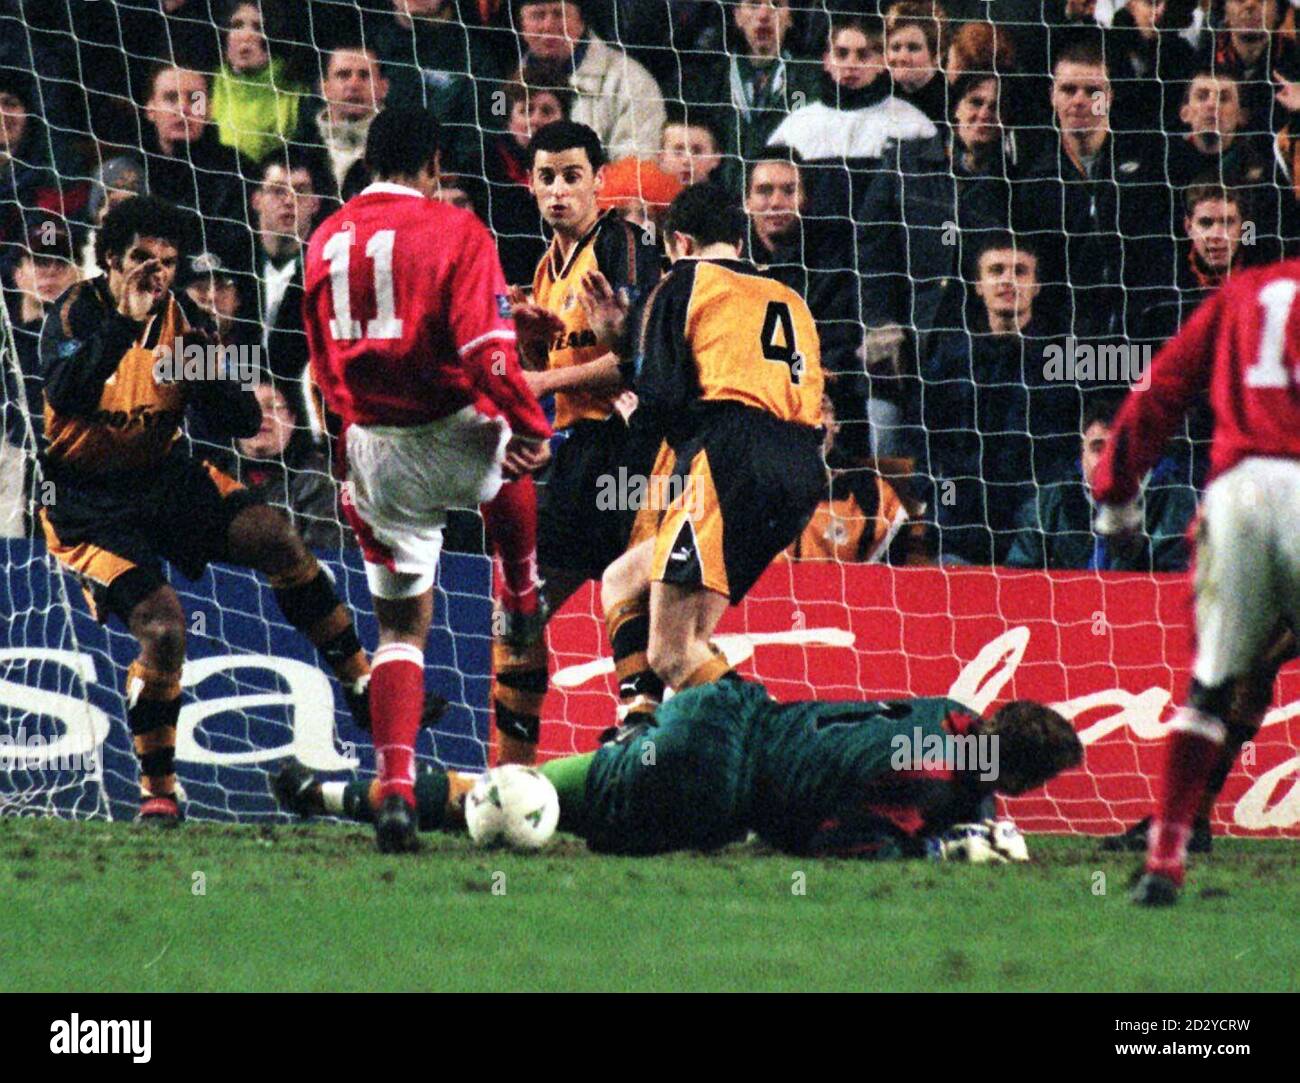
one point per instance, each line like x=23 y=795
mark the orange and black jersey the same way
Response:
x=105 y=414
x=720 y=331
x=630 y=261
x=859 y=520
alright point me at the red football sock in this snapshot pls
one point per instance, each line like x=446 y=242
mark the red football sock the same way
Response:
x=1192 y=752
x=510 y=519
x=396 y=703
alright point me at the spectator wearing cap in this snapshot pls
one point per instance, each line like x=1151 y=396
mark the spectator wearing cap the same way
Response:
x=755 y=84
x=281 y=465
x=934 y=199
x=1096 y=205
x=438 y=61
x=512 y=210
x=115 y=180
x=255 y=102
x=811 y=256
x=213 y=288
x=1054 y=527
x=638 y=190
x=914 y=43
x=186 y=163
x=43 y=273
x=28 y=182
x=353 y=88
x=613 y=94
x=855 y=115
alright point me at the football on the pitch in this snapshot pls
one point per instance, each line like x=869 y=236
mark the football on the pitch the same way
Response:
x=512 y=806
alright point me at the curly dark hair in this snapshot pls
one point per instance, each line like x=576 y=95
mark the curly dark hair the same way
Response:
x=141 y=216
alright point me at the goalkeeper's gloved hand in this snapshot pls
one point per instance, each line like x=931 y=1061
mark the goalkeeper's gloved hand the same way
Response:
x=1118 y=520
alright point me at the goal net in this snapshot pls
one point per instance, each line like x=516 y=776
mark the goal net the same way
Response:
x=997 y=212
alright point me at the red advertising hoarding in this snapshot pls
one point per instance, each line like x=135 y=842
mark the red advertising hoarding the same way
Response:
x=1110 y=651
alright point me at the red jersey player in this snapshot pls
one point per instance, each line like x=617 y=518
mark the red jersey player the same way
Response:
x=1242 y=348
x=412 y=346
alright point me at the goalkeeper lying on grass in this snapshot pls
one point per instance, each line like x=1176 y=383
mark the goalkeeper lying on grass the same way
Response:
x=860 y=779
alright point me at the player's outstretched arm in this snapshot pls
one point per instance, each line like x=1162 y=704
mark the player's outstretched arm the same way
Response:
x=485 y=336
x=1155 y=406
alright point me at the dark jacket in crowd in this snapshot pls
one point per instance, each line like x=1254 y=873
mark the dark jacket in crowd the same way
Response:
x=995 y=426
x=1054 y=528
x=1250 y=167
x=299 y=483
x=1103 y=238
x=211 y=181
x=512 y=211
x=909 y=255
x=448 y=69
x=787 y=84
x=1147 y=77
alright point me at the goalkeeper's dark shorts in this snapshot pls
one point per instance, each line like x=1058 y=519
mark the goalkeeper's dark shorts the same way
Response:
x=584 y=514
x=681 y=784
x=743 y=488
x=113 y=533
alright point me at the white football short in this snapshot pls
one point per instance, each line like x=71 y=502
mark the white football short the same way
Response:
x=1247 y=565
x=400 y=483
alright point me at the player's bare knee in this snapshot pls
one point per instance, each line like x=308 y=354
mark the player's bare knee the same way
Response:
x=613 y=585
x=160 y=628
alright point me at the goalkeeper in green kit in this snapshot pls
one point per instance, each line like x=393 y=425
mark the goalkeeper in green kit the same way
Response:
x=851 y=778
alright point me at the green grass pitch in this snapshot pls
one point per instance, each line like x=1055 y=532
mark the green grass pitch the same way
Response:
x=97 y=906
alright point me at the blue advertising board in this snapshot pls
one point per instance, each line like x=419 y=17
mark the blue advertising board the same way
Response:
x=255 y=692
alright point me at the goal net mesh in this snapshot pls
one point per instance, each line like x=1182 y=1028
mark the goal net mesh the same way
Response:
x=997 y=211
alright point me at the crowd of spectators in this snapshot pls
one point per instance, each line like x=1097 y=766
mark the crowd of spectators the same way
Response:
x=963 y=190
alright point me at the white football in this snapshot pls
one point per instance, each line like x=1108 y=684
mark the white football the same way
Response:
x=513 y=806
x=1007 y=840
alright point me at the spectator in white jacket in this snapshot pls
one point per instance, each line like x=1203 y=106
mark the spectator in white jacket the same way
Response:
x=614 y=95
x=857 y=116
